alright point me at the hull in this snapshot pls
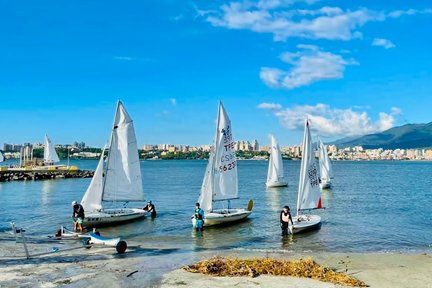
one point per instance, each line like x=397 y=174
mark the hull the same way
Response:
x=306 y=223
x=107 y=217
x=225 y=216
x=272 y=184
x=325 y=184
x=97 y=239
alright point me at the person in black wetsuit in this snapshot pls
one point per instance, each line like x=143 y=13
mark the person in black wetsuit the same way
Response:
x=77 y=216
x=150 y=208
x=199 y=218
x=285 y=218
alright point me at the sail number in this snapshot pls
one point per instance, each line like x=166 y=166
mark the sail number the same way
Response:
x=227 y=167
x=313 y=176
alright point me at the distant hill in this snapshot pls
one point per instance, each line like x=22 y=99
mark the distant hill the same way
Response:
x=405 y=137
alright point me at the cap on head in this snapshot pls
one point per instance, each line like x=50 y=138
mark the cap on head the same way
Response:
x=286 y=207
x=197 y=204
x=74 y=203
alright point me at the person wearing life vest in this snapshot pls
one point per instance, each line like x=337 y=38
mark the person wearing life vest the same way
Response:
x=199 y=218
x=285 y=218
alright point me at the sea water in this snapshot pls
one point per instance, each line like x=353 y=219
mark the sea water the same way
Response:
x=382 y=206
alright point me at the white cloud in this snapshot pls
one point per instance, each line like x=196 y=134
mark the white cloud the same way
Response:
x=123 y=58
x=270 y=106
x=387 y=44
x=396 y=111
x=409 y=12
x=307 y=66
x=281 y=20
x=330 y=121
x=331 y=23
x=173 y=101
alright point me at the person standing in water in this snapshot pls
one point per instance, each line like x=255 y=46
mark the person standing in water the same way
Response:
x=77 y=216
x=285 y=218
x=150 y=208
x=199 y=218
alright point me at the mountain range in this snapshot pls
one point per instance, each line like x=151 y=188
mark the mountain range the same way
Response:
x=407 y=136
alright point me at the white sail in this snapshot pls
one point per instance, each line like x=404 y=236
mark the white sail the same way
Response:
x=123 y=180
x=205 y=198
x=1 y=157
x=50 y=155
x=309 y=193
x=324 y=161
x=275 y=169
x=225 y=162
x=92 y=199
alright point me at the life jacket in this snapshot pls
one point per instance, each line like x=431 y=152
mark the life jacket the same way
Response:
x=198 y=215
x=285 y=217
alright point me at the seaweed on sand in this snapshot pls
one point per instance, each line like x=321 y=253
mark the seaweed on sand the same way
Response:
x=308 y=268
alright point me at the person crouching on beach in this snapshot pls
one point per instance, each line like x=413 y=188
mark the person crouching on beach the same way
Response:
x=285 y=218
x=77 y=216
x=199 y=218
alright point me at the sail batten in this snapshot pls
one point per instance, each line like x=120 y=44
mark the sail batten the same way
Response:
x=309 y=193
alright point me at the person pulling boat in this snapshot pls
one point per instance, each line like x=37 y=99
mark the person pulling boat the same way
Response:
x=77 y=216
x=285 y=218
x=199 y=218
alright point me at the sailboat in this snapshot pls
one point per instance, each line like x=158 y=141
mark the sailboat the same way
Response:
x=1 y=157
x=116 y=179
x=326 y=171
x=275 y=174
x=50 y=154
x=220 y=179
x=309 y=193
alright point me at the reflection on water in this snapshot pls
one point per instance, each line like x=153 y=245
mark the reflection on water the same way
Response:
x=273 y=195
x=363 y=192
x=47 y=187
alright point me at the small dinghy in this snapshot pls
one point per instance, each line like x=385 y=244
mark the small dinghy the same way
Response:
x=95 y=238
x=220 y=181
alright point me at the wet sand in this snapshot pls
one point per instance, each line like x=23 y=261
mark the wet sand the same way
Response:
x=141 y=266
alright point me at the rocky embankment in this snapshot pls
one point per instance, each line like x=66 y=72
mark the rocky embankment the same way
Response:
x=6 y=176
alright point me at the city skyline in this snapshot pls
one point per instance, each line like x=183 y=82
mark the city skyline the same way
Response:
x=349 y=67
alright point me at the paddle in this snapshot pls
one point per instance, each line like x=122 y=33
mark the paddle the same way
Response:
x=250 y=205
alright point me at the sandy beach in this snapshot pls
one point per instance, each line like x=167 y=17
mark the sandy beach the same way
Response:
x=75 y=266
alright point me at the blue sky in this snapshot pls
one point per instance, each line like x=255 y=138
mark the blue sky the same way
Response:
x=352 y=67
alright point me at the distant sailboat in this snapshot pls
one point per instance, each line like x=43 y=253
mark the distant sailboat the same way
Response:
x=220 y=179
x=1 y=157
x=326 y=170
x=309 y=193
x=117 y=180
x=50 y=154
x=275 y=174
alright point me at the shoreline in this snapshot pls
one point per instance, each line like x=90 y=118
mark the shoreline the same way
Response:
x=146 y=266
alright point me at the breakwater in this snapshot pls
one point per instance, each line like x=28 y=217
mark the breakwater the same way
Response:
x=6 y=176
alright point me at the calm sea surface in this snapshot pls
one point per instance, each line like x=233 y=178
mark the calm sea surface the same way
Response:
x=373 y=206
